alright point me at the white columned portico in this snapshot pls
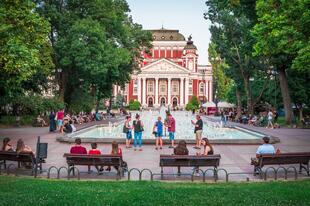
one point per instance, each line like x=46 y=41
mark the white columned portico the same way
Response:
x=169 y=91
x=139 y=89
x=156 y=91
x=181 y=92
x=186 y=90
x=144 y=91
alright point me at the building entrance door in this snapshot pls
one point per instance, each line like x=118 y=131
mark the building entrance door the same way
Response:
x=175 y=102
x=162 y=101
x=150 y=102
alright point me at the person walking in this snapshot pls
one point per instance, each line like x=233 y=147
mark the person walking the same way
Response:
x=52 y=121
x=158 y=132
x=138 y=129
x=270 y=117
x=171 y=129
x=60 y=118
x=128 y=131
x=198 y=130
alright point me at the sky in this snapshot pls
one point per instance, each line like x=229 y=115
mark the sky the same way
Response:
x=184 y=15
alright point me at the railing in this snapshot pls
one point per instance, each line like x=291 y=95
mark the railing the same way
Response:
x=74 y=172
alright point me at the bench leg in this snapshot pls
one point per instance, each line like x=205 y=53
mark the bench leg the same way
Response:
x=179 y=171
x=215 y=174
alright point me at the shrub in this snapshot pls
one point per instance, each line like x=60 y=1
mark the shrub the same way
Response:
x=134 y=105
x=192 y=104
x=81 y=102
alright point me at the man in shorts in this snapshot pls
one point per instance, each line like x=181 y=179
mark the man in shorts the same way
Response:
x=198 y=130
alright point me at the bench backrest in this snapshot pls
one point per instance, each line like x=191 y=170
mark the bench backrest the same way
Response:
x=14 y=156
x=86 y=159
x=284 y=158
x=189 y=160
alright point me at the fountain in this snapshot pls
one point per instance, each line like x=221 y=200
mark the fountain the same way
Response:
x=184 y=130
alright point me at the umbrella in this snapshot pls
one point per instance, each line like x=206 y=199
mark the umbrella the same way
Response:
x=225 y=105
x=208 y=104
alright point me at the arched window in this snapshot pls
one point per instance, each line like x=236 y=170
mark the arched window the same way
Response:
x=201 y=88
x=191 y=65
x=190 y=87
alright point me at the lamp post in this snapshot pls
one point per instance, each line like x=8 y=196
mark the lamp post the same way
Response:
x=216 y=101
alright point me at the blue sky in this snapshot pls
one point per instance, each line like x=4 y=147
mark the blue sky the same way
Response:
x=184 y=15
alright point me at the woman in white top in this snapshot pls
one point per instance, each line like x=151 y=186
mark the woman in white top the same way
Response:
x=270 y=117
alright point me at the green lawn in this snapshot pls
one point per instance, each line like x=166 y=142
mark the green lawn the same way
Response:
x=29 y=191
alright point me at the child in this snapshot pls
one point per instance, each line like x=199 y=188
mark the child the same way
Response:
x=158 y=132
x=94 y=151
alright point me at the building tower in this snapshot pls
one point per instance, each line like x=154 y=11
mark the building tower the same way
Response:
x=190 y=55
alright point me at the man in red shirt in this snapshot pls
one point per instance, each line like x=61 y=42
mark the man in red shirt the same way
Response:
x=171 y=129
x=78 y=148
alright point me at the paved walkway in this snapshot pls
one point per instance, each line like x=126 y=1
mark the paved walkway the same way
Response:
x=234 y=158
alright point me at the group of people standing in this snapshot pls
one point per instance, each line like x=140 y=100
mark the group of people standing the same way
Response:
x=158 y=129
x=60 y=123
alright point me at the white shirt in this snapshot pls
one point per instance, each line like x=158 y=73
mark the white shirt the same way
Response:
x=270 y=114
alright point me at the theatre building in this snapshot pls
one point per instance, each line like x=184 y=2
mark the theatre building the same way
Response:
x=170 y=74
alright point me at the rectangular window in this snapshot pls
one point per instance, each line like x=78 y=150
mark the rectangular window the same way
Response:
x=190 y=87
x=135 y=87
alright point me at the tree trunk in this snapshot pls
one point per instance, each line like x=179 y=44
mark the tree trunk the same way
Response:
x=62 y=86
x=285 y=95
x=248 y=93
x=239 y=106
x=300 y=109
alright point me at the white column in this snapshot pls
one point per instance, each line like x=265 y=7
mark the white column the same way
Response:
x=181 y=92
x=211 y=91
x=144 y=91
x=207 y=90
x=156 y=91
x=186 y=90
x=139 y=90
x=169 y=91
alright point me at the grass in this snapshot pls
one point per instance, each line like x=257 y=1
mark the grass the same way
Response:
x=29 y=191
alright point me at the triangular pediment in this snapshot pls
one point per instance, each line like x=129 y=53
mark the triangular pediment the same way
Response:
x=164 y=66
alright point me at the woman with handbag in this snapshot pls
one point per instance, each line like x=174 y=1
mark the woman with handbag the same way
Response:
x=138 y=129
x=158 y=133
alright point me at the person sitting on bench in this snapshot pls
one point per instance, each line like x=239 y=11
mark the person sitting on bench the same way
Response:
x=115 y=151
x=22 y=148
x=6 y=145
x=181 y=149
x=95 y=151
x=265 y=148
x=78 y=148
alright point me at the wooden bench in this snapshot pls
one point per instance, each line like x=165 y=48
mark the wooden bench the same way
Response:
x=301 y=158
x=36 y=163
x=189 y=161
x=95 y=160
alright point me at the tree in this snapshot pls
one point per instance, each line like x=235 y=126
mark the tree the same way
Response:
x=96 y=44
x=193 y=103
x=231 y=25
x=25 y=52
x=282 y=34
